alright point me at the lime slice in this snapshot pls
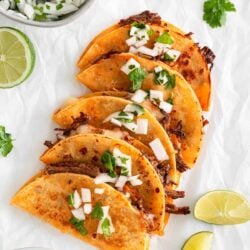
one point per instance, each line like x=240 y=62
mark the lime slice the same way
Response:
x=222 y=208
x=199 y=241
x=17 y=57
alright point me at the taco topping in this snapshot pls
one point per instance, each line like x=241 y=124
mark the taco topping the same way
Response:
x=74 y=200
x=99 y=190
x=135 y=73
x=139 y=96
x=86 y=195
x=79 y=225
x=105 y=225
x=87 y=208
x=162 y=77
x=78 y=213
x=159 y=150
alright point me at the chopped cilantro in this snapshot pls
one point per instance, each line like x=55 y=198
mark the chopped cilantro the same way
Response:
x=108 y=161
x=41 y=17
x=136 y=77
x=97 y=212
x=170 y=84
x=47 y=6
x=106 y=227
x=168 y=58
x=6 y=144
x=59 y=6
x=124 y=171
x=139 y=110
x=122 y=113
x=165 y=38
x=17 y=1
x=71 y=199
x=79 y=225
x=150 y=32
x=138 y=25
x=132 y=66
x=214 y=11
x=170 y=100
x=125 y=120
x=123 y=159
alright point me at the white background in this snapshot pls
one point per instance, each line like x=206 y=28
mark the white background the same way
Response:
x=225 y=157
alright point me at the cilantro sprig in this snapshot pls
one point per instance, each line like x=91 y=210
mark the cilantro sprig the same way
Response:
x=108 y=161
x=106 y=227
x=136 y=77
x=97 y=212
x=6 y=144
x=215 y=11
x=79 y=225
x=165 y=38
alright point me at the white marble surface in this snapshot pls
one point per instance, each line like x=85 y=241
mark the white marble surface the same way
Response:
x=225 y=157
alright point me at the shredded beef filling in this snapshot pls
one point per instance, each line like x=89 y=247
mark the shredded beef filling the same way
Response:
x=178 y=130
x=209 y=56
x=180 y=164
x=144 y=17
x=73 y=167
x=163 y=169
x=104 y=56
x=172 y=209
x=48 y=144
x=204 y=121
x=174 y=194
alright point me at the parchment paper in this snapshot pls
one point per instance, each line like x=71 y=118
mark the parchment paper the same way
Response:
x=225 y=156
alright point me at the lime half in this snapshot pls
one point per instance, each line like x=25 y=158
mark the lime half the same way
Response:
x=199 y=241
x=17 y=57
x=222 y=208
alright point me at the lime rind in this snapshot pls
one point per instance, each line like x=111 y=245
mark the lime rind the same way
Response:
x=226 y=207
x=199 y=241
x=29 y=53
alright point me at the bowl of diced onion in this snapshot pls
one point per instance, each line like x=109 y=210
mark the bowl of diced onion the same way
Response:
x=44 y=13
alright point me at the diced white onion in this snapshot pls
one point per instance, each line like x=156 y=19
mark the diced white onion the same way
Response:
x=77 y=200
x=139 y=96
x=86 y=194
x=78 y=213
x=99 y=190
x=121 y=181
x=87 y=208
x=162 y=79
x=103 y=178
x=165 y=106
x=161 y=48
x=159 y=150
x=116 y=115
x=29 y=11
x=133 y=50
x=133 y=31
x=131 y=41
x=126 y=67
x=142 y=34
x=105 y=210
x=53 y=10
x=140 y=43
x=132 y=126
x=135 y=181
x=142 y=126
x=5 y=4
x=118 y=155
x=175 y=54
x=155 y=95
x=158 y=69
x=146 y=51
x=116 y=122
x=134 y=108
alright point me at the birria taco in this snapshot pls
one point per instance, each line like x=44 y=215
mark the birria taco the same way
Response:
x=161 y=90
x=148 y=36
x=116 y=162
x=94 y=213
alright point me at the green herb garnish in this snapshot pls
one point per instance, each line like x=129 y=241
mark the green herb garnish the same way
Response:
x=59 y=6
x=47 y=6
x=136 y=77
x=214 y=11
x=97 y=212
x=165 y=38
x=71 y=199
x=170 y=84
x=138 y=25
x=108 y=161
x=6 y=144
x=170 y=100
x=106 y=227
x=150 y=32
x=125 y=120
x=122 y=113
x=124 y=171
x=79 y=225
x=168 y=58
x=123 y=159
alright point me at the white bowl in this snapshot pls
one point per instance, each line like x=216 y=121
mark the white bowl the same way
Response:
x=64 y=20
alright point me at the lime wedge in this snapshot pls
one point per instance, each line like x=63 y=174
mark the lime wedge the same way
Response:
x=199 y=241
x=222 y=208
x=17 y=57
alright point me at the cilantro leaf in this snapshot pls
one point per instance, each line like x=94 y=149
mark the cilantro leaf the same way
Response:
x=97 y=212
x=139 y=25
x=124 y=171
x=136 y=77
x=5 y=142
x=71 y=199
x=170 y=100
x=79 y=225
x=214 y=11
x=106 y=227
x=171 y=82
x=168 y=58
x=108 y=161
x=165 y=38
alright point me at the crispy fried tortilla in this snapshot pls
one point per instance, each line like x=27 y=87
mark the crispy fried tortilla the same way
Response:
x=46 y=197
x=185 y=124
x=88 y=148
x=192 y=64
